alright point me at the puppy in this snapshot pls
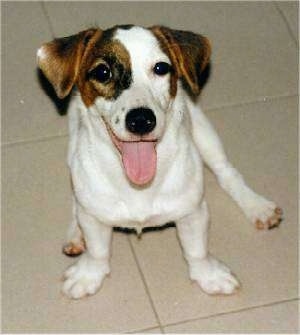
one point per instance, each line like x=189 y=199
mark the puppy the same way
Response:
x=138 y=140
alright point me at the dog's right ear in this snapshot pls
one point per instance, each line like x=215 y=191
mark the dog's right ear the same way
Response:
x=60 y=59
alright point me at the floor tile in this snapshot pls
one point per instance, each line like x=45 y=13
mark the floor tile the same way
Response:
x=36 y=211
x=290 y=10
x=243 y=34
x=261 y=141
x=27 y=112
x=280 y=318
x=262 y=136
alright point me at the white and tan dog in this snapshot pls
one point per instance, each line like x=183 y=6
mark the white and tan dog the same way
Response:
x=138 y=140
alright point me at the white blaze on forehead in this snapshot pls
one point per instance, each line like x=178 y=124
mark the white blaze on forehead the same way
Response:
x=140 y=158
x=143 y=48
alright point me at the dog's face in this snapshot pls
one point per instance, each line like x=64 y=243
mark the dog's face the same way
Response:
x=130 y=75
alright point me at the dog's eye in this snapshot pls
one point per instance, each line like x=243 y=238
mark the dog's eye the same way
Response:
x=101 y=73
x=162 y=68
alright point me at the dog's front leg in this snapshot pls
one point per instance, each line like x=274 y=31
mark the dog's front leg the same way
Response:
x=260 y=211
x=86 y=276
x=213 y=276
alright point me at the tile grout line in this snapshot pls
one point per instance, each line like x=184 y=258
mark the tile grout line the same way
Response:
x=231 y=312
x=34 y=140
x=44 y=10
x=281 y=13
x=209 y=109
x=145 y=286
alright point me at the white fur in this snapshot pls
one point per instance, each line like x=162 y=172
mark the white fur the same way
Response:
x=104 y=197
x=41 y=53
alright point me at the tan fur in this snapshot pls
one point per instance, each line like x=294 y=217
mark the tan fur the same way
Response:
x=66 y=66
x=187 y=51
x=61 y=60
x=74 y=249
x=90 y=90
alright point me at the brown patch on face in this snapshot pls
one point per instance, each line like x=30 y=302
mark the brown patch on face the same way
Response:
x=173 y=83
x=68 y=61
x=115 y=57
x=189 y=54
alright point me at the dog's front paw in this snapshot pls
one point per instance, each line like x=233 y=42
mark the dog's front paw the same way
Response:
x=214 y=277
x=84 y=278
x=263 y=213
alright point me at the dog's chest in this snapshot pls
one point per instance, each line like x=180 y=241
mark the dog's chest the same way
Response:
x=104 y=191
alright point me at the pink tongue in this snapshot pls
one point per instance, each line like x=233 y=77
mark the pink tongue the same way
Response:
x=139 y=159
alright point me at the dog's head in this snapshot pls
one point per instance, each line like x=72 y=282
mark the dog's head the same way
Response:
x=130 y=75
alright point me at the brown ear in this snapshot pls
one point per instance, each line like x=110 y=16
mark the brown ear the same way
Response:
x=60 y=60
x=189 y=53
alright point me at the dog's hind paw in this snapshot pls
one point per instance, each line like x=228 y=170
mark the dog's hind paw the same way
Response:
x=84 y=278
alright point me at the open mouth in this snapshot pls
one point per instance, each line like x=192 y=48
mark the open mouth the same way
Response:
x=138 y=157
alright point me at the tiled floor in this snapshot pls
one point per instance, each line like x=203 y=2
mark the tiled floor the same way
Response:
x=251 y=98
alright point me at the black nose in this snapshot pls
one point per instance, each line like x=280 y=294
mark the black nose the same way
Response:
x=140 y=121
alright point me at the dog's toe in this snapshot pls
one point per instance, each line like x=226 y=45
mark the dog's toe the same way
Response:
x=84 y=278
x=214 y=277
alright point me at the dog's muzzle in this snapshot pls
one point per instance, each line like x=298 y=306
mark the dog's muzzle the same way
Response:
x=138 y=156
x=140 y=121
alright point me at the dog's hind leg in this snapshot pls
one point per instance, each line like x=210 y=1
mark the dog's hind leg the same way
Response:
x=260 y=211
x=75 y=244
x=213 y=276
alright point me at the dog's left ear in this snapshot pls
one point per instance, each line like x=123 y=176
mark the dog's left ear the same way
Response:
x=189 y=53
x=60 y=60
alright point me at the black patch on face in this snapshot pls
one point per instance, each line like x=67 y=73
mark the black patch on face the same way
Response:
x=125 y=26
x=109 y=33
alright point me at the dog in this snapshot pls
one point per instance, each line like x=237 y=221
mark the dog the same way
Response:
x=138 y=141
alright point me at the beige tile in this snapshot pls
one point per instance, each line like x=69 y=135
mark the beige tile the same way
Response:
x=244 y=36
x=290 y=10
x=27 y=112
x=278 y=319
x=261 y=140
x=36 y=211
